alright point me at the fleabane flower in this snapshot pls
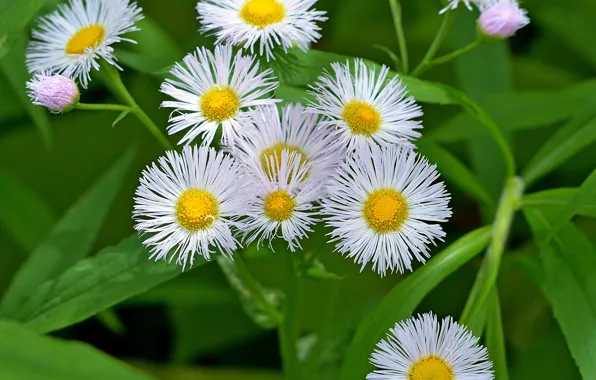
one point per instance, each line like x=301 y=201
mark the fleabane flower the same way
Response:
x=55 y=92
x=188 y=203
x=262 y=23
x=294 y=130
x=284 y=206
x=453 y=4
x=363 y=109
x=502 y=18
x=71 y=40
x=384 y=207
x=421 y=348
x=215 y=89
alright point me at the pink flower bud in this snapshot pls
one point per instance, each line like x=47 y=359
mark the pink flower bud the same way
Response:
x=55 y=92
x=502 y=19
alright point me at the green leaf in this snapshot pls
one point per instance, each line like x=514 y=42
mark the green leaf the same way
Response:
x=14 y=69
x=555 y=200
x=28 y=356
x=95 y=284
x=569 y=263
x=110 y=320
x=578 y=134
x=260 y=304
x=154 y=50
x=495 y=339
x=403 y=299
x=69 y=241
x=455 y=171
x=23 y=213
x=14 y=17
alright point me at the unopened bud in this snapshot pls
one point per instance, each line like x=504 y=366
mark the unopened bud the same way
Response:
x=55 y=92
x=502 y=19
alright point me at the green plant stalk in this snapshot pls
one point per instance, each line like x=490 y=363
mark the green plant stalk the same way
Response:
x=288 y=331
x=120 y=89
x=447 y=57
x=396 y=11
x=495 y=340
x=436 y=44
x=102 y=107
x=489 y=271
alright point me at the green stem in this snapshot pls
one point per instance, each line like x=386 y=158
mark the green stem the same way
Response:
x=489 y=271
x=436 y=44
x=447 y=57
x=288 y=331
x=102 y=107
x=120 y=89
x=495 y=340
x=396 y=11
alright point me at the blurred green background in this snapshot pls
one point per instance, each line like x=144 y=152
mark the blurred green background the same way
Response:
x=193 y=327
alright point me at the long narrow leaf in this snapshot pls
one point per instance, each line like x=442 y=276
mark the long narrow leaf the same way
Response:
x=554 y=200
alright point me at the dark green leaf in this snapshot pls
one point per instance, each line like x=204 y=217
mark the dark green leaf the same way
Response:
x=403 y=299
x=69 y=241
x=26 y=355
x=555 y=200
x=14 y=69
x=14 y=17
x=23 y=213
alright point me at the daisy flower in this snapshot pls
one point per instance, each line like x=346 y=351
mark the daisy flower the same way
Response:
x=71 y=40
x=384 y=207
x=453 y=4
x=284 y=202
x=363 y=109
x=55 y=92
x=294 y=130
x=213 y=89
x=264 y=22
x=188 y=202
x=421 y=348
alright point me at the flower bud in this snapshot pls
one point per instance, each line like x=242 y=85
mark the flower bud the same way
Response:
x=55 y=92
x=502 y=19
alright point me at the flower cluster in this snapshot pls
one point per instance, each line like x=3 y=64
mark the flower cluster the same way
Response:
x=346 y=159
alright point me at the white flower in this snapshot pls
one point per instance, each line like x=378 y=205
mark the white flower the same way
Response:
x=384 y=207
x=284 y=201
x=502 y=18
x=71 y=40
x=363 y=108
x=264 y=22
x=453 y=4
x=189 y=201
x=421 y=348
x=295 y=130
x=214 y=89
x=55 y=92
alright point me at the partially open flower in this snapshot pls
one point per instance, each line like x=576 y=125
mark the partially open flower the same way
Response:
x=55 y=92
x=502 y=19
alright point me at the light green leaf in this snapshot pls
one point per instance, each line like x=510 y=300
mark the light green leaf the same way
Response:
x=28 y=356
x=455 y=171
x=260 y=304
x=14 y=17
x=554 y=200
x=569 y=263
x=69 y=241
x=95 y=284
x=110 y=320
x=578 y=134
x=495 y=339
x=403 y=299
x=14 y=70
x=24 y=215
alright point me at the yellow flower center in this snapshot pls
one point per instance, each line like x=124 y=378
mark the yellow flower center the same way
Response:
x=219 y=104
x=279 y=205
x=362 y=118
x=271 y=158
x=431 y=368
x=262 y=13
x=87 y=37
x=385 y=210
x=196 y=209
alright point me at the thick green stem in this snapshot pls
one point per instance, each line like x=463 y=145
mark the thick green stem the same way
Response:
x=396 y=11
x=288 y=331
x=489 y=271
x=447 y=57
x=436 y=44
x=103 y=107
x=120 y=89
